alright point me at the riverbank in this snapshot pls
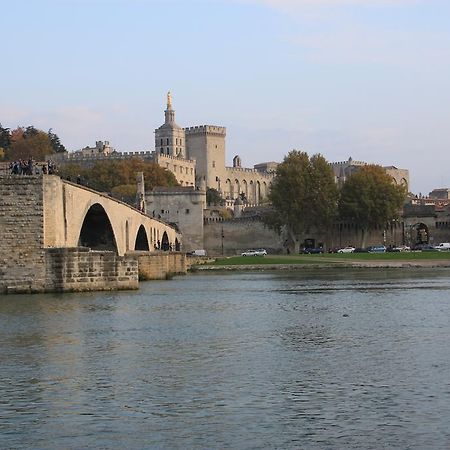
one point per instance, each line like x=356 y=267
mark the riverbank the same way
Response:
x=284 y=262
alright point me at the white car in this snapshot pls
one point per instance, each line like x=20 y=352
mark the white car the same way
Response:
x=348 y=249
x=443 y=246
x=259 y=252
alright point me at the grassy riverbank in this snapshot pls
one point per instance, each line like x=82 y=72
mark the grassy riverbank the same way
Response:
x=416 y=258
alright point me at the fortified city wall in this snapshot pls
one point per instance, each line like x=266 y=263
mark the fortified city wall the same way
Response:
x=238 y=236
x=241 y=234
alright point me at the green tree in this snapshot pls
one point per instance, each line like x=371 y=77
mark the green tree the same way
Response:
x=55 y=142
x=213 y=197
x=303 y=194
x=370 y=199
x=5 y=139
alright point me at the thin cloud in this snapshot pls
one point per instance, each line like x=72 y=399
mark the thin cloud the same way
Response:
x=293 y=4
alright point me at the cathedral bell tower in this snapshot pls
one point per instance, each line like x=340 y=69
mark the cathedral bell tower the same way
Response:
x=169 y=137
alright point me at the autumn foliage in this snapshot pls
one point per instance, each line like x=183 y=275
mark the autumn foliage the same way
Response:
x=118 y=177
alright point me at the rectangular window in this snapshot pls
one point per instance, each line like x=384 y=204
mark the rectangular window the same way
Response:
x=187 y=211
x=214 y=164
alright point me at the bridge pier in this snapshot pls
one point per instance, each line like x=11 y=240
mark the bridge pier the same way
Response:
x=160 y=265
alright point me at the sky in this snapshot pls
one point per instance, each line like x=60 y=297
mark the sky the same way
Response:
x=367 y=79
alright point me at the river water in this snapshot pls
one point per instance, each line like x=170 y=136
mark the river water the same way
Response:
x=283 y=360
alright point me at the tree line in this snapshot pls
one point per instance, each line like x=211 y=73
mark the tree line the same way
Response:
x=305 y=196
x=28 y=142
x=118 y=177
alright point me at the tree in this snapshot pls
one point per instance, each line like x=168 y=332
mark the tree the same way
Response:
x=213 y=197
x=370 y=199
x=5 y=140
x=303 y=194
x=55 y=142
x=118 y=177
x=23 y=143
x=28 y=143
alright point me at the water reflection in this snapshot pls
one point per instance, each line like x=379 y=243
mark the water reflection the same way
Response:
x=353 y=359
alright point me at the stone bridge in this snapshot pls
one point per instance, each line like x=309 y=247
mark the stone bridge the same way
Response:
x=77 y=216
x=59 y=236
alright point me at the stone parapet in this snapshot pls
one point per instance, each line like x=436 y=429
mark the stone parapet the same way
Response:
x=206 y=129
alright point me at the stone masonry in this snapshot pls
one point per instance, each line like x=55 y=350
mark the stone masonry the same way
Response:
x=22 y=254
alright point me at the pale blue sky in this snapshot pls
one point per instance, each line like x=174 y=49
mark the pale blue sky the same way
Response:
x=361 y=78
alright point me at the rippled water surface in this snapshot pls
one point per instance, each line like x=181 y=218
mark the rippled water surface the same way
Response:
x=323 y=360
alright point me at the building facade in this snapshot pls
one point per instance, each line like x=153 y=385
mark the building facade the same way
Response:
x=202 y=151
x=182 y=207
x=343 y=169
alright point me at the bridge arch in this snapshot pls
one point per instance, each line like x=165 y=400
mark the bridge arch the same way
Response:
x=141 y=242
x=165 y=242
x=97 y=232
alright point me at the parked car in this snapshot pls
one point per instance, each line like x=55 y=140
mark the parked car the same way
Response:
x=312 y=250
x=259 y=252
x=196 y=253
x=348 y=249
x=428 y=248
x=443 y=246
x=402 y=248
x=377 y=249
x=423 y=248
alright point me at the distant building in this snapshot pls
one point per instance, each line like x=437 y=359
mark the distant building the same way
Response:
x=440 y=194
x=102 y=148
x=182 y=207
x=342 y=170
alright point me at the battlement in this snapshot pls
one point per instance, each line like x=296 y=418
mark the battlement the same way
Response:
x=206 y=129
x=349 y=162
x=268 y=175
x=174 y=158
x=75 y=156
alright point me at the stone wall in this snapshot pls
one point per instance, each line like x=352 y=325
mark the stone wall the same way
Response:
x=22 y=257
x=182 y=206
x=160 y=265
x=241 y=234
x=238 y=236
x=80 y=269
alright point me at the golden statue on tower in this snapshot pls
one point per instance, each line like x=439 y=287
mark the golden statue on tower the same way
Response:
x=169 y=100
